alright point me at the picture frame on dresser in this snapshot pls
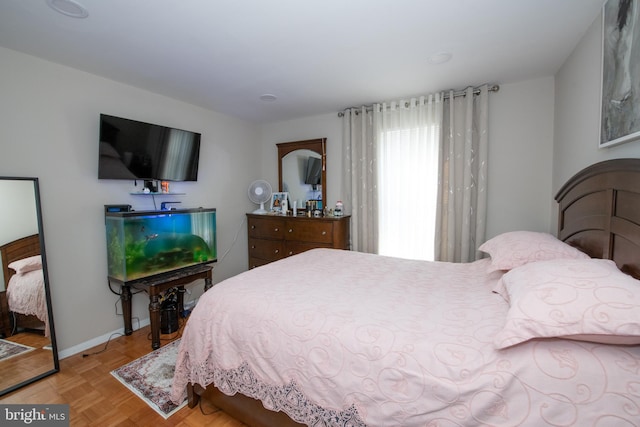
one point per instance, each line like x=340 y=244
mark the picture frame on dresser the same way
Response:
x=620 y=91
x=277 y=199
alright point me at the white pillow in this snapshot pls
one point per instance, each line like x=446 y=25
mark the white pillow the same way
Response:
x=587 y=300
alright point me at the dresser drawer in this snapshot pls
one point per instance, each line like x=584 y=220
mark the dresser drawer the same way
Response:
x=317 y=231
x=270 y=250
x=257 y=262
x=266 y=228
x=271 y=237
x=293 y=248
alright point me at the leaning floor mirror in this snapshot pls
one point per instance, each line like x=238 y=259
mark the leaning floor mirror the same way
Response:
x=28 y=350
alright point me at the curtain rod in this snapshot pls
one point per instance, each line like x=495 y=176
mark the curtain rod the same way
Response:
x=476 y=91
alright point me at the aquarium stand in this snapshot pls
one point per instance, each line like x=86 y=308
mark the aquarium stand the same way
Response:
x=155 y=286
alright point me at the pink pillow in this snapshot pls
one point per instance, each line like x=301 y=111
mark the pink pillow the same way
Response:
x=587 y=300
x=26 y=265
x=515 y=248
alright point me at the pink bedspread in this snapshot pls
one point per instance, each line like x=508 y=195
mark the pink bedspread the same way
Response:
x=25 y=295
x=343 y=337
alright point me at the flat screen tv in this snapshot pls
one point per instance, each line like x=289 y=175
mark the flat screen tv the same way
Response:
x=314 y=171
x=134 y=150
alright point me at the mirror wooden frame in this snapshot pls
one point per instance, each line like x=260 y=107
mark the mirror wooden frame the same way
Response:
x=54 y=348
x=318 y=145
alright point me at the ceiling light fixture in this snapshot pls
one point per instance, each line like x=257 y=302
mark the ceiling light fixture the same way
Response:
x=440 y=58
x=268 y=97
x=69 y=8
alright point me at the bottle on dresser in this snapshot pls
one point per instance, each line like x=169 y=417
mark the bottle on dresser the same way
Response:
x=338 y=211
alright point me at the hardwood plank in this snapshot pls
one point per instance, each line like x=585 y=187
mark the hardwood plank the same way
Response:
x=97 y=398
x=27 y=365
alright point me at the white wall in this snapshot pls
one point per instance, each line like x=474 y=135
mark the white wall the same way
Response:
x=520 y=157
x=577 y=112
x=521 y=144
x=49 y=127
x=18 y=208
x=49 y=119
x=323 y=126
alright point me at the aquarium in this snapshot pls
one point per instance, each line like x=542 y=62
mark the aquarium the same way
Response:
x=148 y=243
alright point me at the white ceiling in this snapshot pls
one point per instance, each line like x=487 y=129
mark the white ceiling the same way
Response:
x=316 y=56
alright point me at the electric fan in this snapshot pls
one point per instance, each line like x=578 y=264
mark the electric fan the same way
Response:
x=260 y=192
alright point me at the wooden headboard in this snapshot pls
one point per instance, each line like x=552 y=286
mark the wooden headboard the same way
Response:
x=599 y=212
x=18 y=249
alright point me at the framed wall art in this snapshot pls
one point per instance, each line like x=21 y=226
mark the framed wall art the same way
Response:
x=620 y=96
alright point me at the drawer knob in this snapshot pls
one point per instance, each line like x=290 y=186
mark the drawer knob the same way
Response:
x=253 y=246
x=276 y=229
x=253 y=227
x=290 y=253
x=324 y=232
x=277 y=250
x=291 y=230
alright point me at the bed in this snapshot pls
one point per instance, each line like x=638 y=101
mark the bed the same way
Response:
x=24 y=284
x=543 y=331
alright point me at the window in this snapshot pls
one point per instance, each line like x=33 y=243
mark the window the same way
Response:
x=408 y=147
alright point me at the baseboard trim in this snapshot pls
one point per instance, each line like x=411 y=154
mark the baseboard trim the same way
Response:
x=79 y=348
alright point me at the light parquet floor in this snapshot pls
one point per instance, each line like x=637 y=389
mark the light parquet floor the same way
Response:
x=96 y=398
x=26 y=365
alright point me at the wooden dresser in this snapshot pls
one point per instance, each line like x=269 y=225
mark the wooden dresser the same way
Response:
x=274 y=237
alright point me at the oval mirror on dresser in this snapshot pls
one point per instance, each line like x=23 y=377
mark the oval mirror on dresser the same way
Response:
x=28 y=350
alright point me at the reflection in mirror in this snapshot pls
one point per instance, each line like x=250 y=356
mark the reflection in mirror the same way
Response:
x=28 y=350
x=302 y=170
x=301 y=176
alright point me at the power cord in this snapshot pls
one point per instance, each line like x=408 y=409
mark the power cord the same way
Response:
x=111 y=289
x=235 y=239
x=118 y=293
x=115 y=333
x=137 y=319
x=105 y=345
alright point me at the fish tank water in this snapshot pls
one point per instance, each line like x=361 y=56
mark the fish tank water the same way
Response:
x=148 y=243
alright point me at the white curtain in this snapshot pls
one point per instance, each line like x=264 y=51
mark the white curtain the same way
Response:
x=454 y=206
x=408 y=135
x=359 y=180
x=462 y=200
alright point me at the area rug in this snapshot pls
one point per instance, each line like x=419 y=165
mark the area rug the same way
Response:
x=10 y=349
x=150 y=378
